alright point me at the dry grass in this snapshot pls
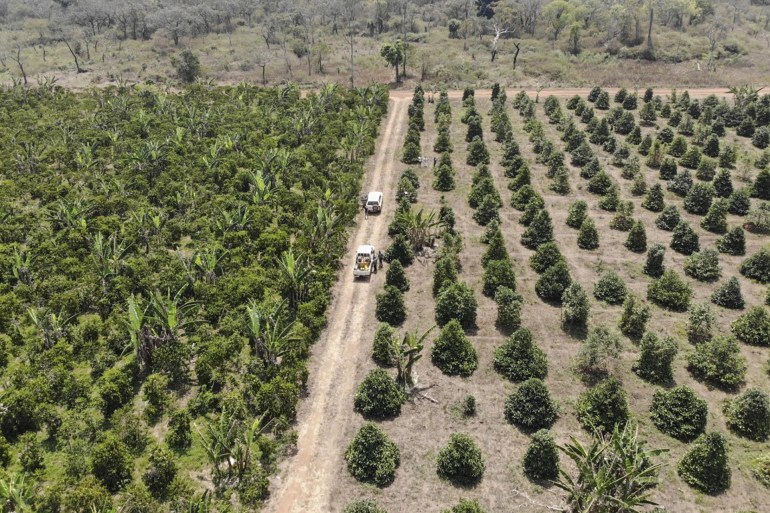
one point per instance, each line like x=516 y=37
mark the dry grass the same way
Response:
x=423 y=427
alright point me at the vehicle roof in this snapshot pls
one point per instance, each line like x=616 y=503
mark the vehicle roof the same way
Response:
x=365 y=248
x=373 y=195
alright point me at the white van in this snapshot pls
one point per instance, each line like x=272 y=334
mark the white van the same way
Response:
x=374 y=202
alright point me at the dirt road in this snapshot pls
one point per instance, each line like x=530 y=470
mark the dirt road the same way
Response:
x=306 y=480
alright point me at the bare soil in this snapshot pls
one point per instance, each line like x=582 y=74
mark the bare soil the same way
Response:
x=316 y=479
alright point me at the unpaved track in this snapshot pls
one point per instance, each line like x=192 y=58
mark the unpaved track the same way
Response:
x=306 y=480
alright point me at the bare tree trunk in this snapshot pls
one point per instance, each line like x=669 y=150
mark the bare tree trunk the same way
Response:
x=649 y=30
x=74 y=56
x=20 y=63
x=264 y=81
x=516 y=55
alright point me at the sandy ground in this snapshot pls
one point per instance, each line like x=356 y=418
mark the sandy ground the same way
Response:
x=316 y=480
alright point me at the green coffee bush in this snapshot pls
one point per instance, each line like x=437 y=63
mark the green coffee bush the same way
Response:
x=753 y=327
x=453 y=352
x=603 y=407
x=379 y=396
x=679 y=412
x=705 y=466
x=372 y=457
x=610 y=288
x=656 y=357
x=541 y=461
x=718 y=362
x=530 y=407
x=748 y=415
x=461 y=461
x=728 y=295
x=519 y=358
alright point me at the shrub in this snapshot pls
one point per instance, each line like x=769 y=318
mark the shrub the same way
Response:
x=603 y=407
x=160 y=472
x=600 y=348
x=637 y=238
x=396 y=277
x=466 y=506
x=700 y=324
x=588 y=236
x=653 y=200
x=653 y=265
x=575 y=306
x=530 y=407
x=761 y=138
x=706 y=169
x=383 y=346
x=400 y=250
x=461 y=461
x=668 y=169
x=187 y=66
x=539 y=232
x=753 y=327
x=452 y=352
x=600 y=183
x=372 y=457
x=111 y=463
x=456 y=301
x=444 y=274
x=535 y=205
x=545 y=256
x=623 y=219
x=678 y=146
x=679 y=413
x=691 y=158
x=718 y=362
x=541 y=461
x=498 y=273
x=390 y=306
x=668 y=219
x=681 y=184
x=30 y=452
x=757 y=266
x=705 y=466
x=656 y=356
x=723 y=184
x=364 y=506
x=740 y=203
x=378 y=396
x=684 y=239
x=699 y=198
x=444 y=178
x=748 y=415
x=611 y=199
x=179 y=433
x=610 y=288
x=577 y=213
x=670 y=291
x=155 y=392
x=115 y=388
x=716 y=217
x=703 y=265
x=761 y=469
x=519 y=358
x=477 y=152
x=639 y=186
x=591 y=169
x=633 y=320
x=552 y=283
x=508 y=308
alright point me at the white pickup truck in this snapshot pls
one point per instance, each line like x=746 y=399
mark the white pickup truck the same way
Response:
x=366 y=261
x=373 y=202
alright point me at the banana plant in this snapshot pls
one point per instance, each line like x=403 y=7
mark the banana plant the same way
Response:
x=108 y=256
x=408 y=353
x=170 y=315
x=29 y=156
x=52 y=327
x=236 y=219
x=205 y=261
x=296 y=272
x=16 y=494
x=22 y=260
x=135 y=325
x=69 y=213
x=262 y=189
x=269 y=335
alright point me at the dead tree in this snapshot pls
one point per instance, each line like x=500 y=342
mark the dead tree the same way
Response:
x=499 y=31
x=516 y=54
x=20 y=63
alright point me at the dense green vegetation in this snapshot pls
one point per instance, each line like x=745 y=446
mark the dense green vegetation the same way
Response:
x=166 y=265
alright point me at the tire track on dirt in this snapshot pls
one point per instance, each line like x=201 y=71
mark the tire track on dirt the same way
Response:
x=305 y=483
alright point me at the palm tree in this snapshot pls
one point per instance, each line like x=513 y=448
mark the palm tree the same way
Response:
x=420 y=227
x=614 y=473
x=295 y=273
x=269 y=335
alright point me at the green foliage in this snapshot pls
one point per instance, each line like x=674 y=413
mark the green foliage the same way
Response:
x=372 y=457
x=187 y=66
x=539 y=232
x=444 y=274
x=390 y=306
x=656 y=356
x=179 y=433
x=637 y=238
x=588 y=235
x=716 y=217
x=670 y=291
x=453 y=352
x=396 y=277
x=456 y=301
x=699 y=198
x=519 y=358
x=498 y=273
x=728 y=295
x=679 y=413
x=546 y=255
x=541 y=461
x=461 y=461
x=112 y=464
x=364 y=506
x=400 y=250
x=530 y=407
x=477 y=152
x=610 y=288
x=508 y=308
x=653 y=200
x=30 y=452
x=600 y=183
x=600 y=349
x=633 y=320
x=383 y=346
x=684 y=239
x=465 y=506
x=705 y=466
x=155 y=392
x=577 y=213
x=553 y=282
x=757 y=266
x=603 y=407
x=748 y=415
x=740 y=202
x=691 y=158
x=718 y=362
x=575 y=306
x=379 y=396
x=753 y=327
x=653 y=265
x=703 y=265
x=160 y=473
x=495 y=249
